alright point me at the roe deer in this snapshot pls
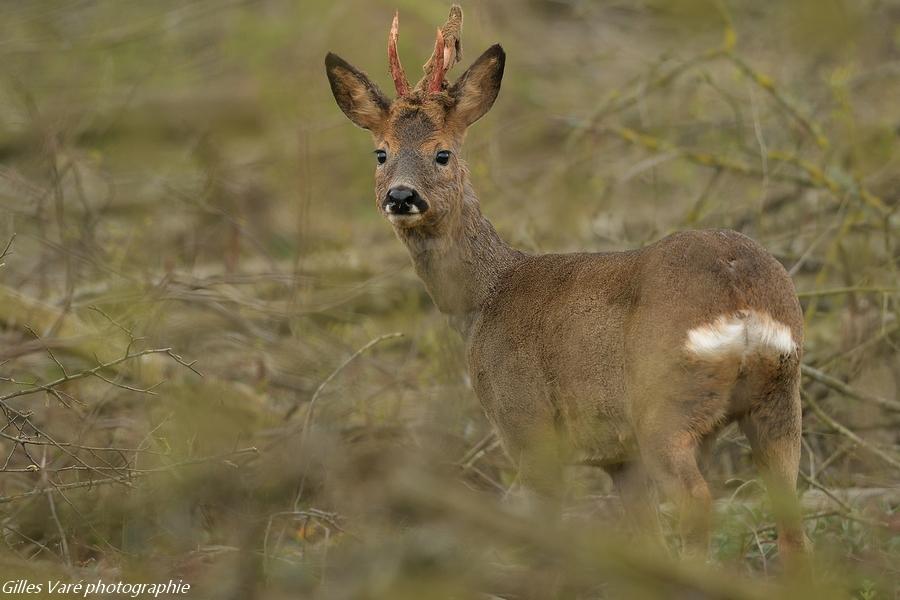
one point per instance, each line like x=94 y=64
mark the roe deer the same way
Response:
x=632 y=361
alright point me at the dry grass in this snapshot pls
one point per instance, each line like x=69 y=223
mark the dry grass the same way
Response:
x=198 y=305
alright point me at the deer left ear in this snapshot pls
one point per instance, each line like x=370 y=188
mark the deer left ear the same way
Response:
x=358 y=97
x=477 y=88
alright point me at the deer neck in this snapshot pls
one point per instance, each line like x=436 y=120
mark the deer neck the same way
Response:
x=460 y=261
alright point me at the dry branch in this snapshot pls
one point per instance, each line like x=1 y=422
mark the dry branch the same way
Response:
x=58 y=487
x=890 y=459
x=333 y=374
x=768 y=84
x=7 y=249
x=840 y=386
x=811 y=177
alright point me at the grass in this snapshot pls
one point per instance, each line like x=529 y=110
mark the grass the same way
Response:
x=186 y=205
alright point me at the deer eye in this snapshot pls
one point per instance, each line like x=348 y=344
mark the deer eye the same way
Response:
x=380 y=156
x=442 y=157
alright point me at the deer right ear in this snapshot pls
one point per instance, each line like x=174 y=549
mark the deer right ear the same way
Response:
x=477 y=88
x=359 y=98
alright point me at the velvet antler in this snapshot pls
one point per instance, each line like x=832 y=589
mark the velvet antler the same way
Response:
x=401 y=83
x=447 y=52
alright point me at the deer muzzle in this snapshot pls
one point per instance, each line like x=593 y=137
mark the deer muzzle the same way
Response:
x=402 y=201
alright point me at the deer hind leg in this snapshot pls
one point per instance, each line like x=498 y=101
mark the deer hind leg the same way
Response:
x=671 y=461
x=773 y=429
x=676 y=410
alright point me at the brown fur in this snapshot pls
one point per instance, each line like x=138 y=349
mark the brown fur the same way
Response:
x=581 y=357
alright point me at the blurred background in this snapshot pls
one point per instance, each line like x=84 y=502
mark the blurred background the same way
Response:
x=218 y=366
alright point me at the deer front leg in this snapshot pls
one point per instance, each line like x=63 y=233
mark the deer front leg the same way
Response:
x=516 y=402
x=541 y=471
x=536 y=448
x=638 y=499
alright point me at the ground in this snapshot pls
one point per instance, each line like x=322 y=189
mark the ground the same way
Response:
x=281 y=411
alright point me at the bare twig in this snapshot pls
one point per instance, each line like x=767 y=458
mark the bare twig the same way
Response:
x=848 y=290
x=7 y=249
x=840 y=386
x=894 y=461
x=63 y=543
x=107 y=480
x=333 y=374
x=47 y=387
x=766 y=83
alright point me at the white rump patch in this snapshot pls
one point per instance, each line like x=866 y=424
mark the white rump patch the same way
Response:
x=741 y=334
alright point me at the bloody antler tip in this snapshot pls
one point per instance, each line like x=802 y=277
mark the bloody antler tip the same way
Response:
x=401 y=83
x=438 y=68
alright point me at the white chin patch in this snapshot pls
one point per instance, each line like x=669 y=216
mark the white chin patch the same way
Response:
x=406 y=218
x=742 y=334
x=413 y=210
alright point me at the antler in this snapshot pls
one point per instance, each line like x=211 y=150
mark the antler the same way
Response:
x=447 y=51
x=436 y=81
x=401 y=83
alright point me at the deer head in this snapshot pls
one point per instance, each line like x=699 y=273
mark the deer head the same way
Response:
x=419 y=178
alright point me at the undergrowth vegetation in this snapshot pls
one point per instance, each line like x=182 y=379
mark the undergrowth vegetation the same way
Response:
x=218 y=366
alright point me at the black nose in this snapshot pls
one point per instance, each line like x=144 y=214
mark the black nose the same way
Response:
x=403 y=200
x=401 y=194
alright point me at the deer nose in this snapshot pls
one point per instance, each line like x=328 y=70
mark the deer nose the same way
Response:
x=403 y=200
x=401 y=193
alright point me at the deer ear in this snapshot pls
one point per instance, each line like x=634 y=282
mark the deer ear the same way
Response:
x=477 y=88
x=359 y=98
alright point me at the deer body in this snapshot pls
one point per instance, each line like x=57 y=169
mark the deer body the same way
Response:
x=631 y=361
x=598 y=345
x=555 y=340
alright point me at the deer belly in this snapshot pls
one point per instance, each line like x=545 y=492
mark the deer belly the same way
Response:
x=575 y=388
x=597 y=431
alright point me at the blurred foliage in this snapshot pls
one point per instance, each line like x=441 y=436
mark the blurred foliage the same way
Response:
x=177 y=176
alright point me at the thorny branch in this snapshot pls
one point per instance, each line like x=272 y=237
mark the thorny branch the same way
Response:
x=22 y=422
x=35 y=387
